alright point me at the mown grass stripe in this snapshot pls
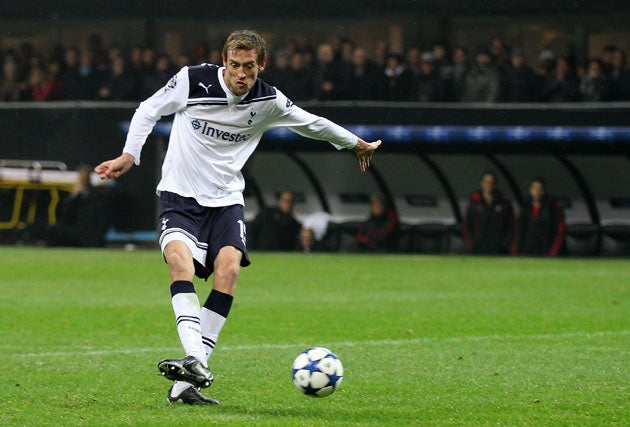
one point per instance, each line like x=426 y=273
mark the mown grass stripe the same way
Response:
x=377 y=343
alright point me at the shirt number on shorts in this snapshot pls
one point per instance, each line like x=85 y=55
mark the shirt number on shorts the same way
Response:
x=243 y=230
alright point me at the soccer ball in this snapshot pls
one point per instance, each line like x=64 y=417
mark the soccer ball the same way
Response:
x=317 y=372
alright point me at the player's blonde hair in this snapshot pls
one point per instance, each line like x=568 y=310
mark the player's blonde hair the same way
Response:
x=247 y=40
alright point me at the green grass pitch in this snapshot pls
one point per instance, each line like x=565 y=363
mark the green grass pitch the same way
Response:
x=424 y=340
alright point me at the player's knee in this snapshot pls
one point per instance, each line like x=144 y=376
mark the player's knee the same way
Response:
x=228 y=270
x=179 y=263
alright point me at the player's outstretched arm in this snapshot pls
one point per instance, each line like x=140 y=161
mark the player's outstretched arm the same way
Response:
x=365 y=151
x=115 y=167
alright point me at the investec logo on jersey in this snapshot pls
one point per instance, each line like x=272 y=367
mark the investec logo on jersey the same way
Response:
x=205 y=129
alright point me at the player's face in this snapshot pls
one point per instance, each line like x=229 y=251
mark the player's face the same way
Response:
x=241 y=70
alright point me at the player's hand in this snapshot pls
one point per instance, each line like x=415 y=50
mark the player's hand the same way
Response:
x=116 y=167
x=365 y=151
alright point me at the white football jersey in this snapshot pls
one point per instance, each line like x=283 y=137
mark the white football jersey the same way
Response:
x=214 y=132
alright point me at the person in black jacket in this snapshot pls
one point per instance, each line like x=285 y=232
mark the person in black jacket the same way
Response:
x=561 y=85
x=82 y=216
x=541 y=225
x=378 y=233
x=367 y=80
x=483 y=80
x=489 y=222
x=275 y=229
x=521 y=81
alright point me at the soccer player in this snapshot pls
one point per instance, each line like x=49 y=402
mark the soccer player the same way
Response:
x=220 y=116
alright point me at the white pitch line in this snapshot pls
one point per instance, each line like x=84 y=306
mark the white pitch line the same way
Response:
x=376 y=343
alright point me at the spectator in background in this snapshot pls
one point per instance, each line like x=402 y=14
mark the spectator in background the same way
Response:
x=502 y=60
x=547 y=62
x=298 y=84
x=88 y=75
x=183 y=60
x=427 y=86
x=619 y=77
x=135 y=70
x=541 y=225
x=291 y=46
x=117 y=84
x=148 y=59
x=482 y=81
x=276 y=229
x=367 y=82
x=308 y=243
x=82 y=216
x=135 y=60
x=42 y=85
x=521 y=81
x=324 y=77
x=309 y=55
x=398 y=79
x=278 y=70
x=414 y=67
x=488 y=225
x=201 y=53
x=114 y=52
x=381 y=53
x=332 y=78
x=54 y=70
x=160 y=75
x=440 y=60
x=345 y=51
x=561 y=85
x=99 y=65
x=594 y=86
x=500 y=52
x=25 y=60
x=10 y=87
x=455 y=75
x=214 y=57
x=606 y=58
x=313 y=231
x=73 y=84
x=378 y=233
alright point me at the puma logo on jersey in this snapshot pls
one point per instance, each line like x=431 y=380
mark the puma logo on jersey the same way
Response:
x=206 y=88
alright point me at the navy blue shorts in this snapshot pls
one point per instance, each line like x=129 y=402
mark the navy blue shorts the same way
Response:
x=204 y=230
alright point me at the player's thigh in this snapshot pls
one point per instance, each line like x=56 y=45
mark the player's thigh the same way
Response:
x=227 y=238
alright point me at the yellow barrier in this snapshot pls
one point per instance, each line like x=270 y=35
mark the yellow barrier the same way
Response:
x=20 y=187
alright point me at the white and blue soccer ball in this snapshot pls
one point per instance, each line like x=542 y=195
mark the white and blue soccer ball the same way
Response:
x=317 y=372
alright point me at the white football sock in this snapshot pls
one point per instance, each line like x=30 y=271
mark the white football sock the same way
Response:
x=186 y=308
x=213 y=315
x=178 y=387
x=211 y=325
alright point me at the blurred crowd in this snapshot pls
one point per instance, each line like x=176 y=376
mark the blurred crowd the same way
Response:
x=338 y=70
